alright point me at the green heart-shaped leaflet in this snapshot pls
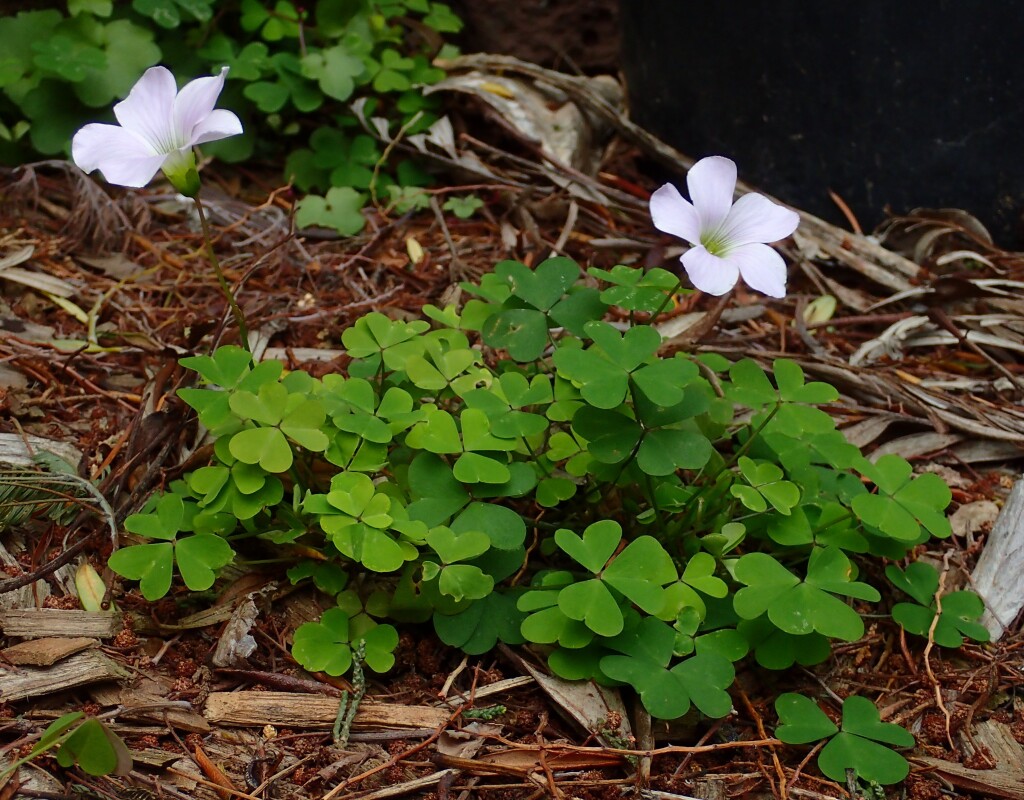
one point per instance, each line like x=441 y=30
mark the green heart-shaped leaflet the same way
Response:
x=150 y=564
x=802 y=720
x=593 y=604
x=646 y=648
x=464 y=582
x=452 y=547
x=199 y=557
x=750 y=385
x=504 y=528
x=267 y=407
x=267 y=447
x=163 y=519
x=596 y=546
x=960 y=610
x=799 y=607
x=636 y=289
x=96 y=749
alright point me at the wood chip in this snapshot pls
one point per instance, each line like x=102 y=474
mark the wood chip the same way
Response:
x=999 y=574
x=1003 y=783
x=311 y=711
x=146 y=701
x=45 y=652
x=35 y=623
x=18 y=449
x=90 y=666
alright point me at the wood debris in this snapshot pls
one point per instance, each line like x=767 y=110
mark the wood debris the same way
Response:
x=250 y=708
x=45 y=652
x=35 y=623
x=89 y=666
x=999 y=574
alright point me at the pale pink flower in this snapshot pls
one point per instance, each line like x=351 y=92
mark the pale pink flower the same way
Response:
x=729 y=239
x=158 y=128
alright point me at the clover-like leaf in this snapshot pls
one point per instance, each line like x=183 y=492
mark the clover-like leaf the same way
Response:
x=778 y=650
x=799 y=607
x=636 y=289
x=667 y=693
x=604 y=371
x=765 y=484
x=482 y=625
x=904 y=504
x=340 y=210
x=543 y=286
x=325 y=646
x=861 y=746
x=960 y=610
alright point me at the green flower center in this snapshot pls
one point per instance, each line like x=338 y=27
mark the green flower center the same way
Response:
x=715 y=243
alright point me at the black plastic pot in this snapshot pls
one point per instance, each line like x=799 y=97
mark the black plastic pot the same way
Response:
x=916 y=103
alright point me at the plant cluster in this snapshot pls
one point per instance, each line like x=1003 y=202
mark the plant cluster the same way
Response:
x=523 y=470
x=293 y=74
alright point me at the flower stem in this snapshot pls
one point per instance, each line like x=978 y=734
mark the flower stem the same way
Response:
x=225 y=287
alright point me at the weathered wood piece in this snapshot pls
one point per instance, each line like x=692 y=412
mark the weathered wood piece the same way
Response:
x=90 y=666
x=996 y=742
x=997 y=782
x=36 y=623
x=19 y=449
x=999 y=574
x=146 y=701
x=45 y=652
x=313 y=711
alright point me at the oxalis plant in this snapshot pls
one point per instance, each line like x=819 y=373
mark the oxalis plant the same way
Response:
x=532 y=469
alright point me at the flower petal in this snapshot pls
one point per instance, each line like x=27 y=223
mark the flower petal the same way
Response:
x=220 y=124
x=755 y=218
x=124 y=157
x=761 y=267
x=709 y=273
x=711 y=182
x=673 y=214
x=195 y=103
x=147 y=109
